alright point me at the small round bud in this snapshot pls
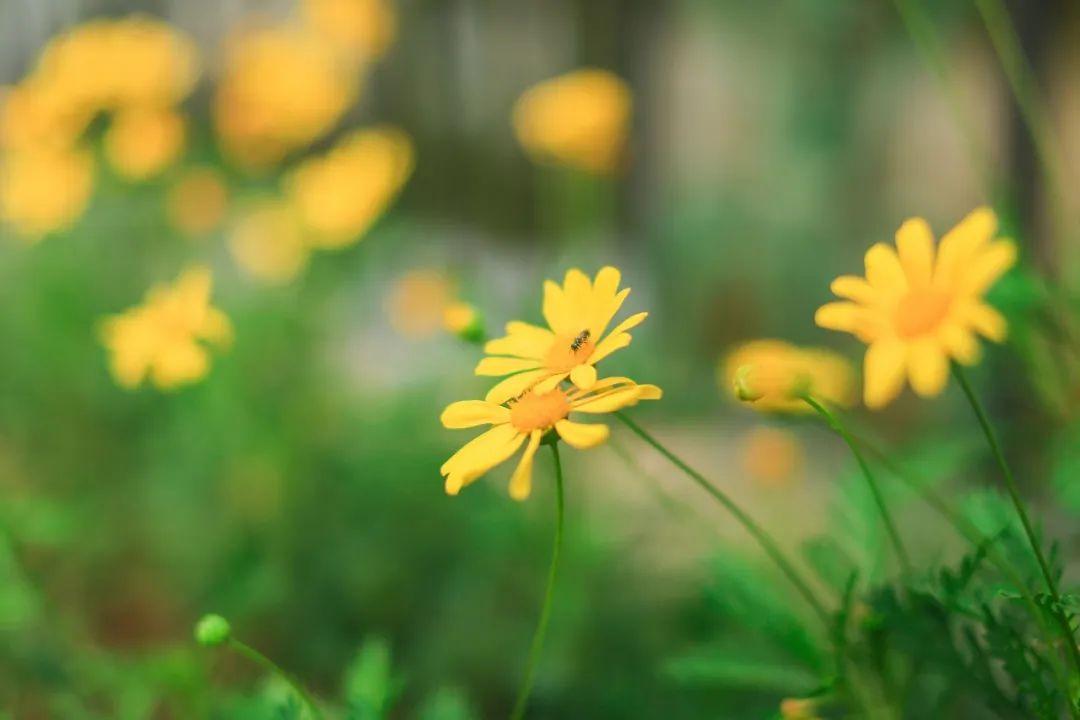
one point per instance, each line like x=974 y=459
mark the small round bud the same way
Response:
x=743 y=385
x=212 y=630
x=463 y=320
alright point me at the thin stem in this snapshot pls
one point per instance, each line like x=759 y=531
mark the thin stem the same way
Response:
x=886 y=517
x=270 y=666
x=545 y=612
x=759 y=534
x=1021 y=510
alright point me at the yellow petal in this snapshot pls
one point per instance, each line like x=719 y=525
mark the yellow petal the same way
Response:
x=522 y=340
x=985 y=269
x=580 y=435
x=884 y=272
x=583 y=376
x=548 y=384
x=498 y=366
x=630 y=323
x=883 y=371
x=216 y=327
x=958 y=245
x=480 y=455
x=928 y=367
x=613 y=342
x=854 y=288
x=179 y=363
x=470 y=413
x=556 y=311
x=604 y=310
x=960 y=343
x=842 y=316
x=577 y=289
x=521 y=480
x=915 y=244
x=986 y=321
x=609 y=401
x=514 y=385
x=650 y=392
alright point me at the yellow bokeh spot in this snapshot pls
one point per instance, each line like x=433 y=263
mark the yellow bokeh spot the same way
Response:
x=143 y=142
x=268 y=242
x=197 y=202
x=418 y=302
x=363 y=29
x=44 y=190
x=771 y=456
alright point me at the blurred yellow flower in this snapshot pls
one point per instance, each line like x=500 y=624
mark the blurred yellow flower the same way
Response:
x=164 y=338
x=463 y=319
x=44 y=190
x=268 y=241
x=770 y=373
x=916 y=308
x=340 y=194
x=197 y=202
x=142 y=142
x=530 y=417
x=33 y=115
x=578 y=314
x=417 y=302
x=772 y=456
x=282 y=88
x=579 y=119
x=362 y=28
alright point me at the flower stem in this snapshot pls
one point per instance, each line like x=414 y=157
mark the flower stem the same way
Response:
x=1021 y=510
x=537 y=645
x=270 y=666
x=759 y=534
x=886 y=517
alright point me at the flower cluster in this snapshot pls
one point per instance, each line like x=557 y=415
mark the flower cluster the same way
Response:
x=551 y=374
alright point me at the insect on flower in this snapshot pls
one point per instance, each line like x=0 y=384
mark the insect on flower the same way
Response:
x=580 y=340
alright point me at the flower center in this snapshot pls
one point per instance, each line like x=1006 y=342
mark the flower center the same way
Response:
x=569 y=351
x=920 y=312
x=533 y=411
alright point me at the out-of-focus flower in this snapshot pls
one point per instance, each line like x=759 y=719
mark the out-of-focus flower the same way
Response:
x=771 y=456
x=268 y=241
x=578 y=314
x=197 y=202
x=164 y=337
x=770 y=374
x=417 y=301
x=463 y=320
x=340 y=194
x=115 y=63
x=917 y=308
x=579 y=119
x=363 y=29
x=282 y=88
x=34 y=115
x=141 y=142
x=44 y=190
x=530 y=417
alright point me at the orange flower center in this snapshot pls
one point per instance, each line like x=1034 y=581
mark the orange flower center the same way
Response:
x=569 y=351
x=534 y=411
x=920 y=312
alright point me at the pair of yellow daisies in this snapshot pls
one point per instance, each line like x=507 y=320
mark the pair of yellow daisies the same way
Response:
x=918 y=308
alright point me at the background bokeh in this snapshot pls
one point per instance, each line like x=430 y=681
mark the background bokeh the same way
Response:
x=295 y=488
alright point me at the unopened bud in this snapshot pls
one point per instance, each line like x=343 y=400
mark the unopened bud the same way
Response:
x=463 y=320
x=743 y=385
x=212 y=630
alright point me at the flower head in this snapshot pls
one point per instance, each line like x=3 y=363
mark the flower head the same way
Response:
x=920 y=306
x=142 y=142
x=579 y=119
x=578 y=314
x=164 y=337
x=770 y=375
x=44 y=190
x=528 y=418
x=363 y=29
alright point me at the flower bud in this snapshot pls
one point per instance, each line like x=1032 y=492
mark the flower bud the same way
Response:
x=743 y=385
x=463 y=320
x=212 y=630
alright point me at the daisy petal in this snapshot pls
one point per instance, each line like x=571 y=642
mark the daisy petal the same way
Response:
x=521 y=480
x=605 y=310
x=480 y=455
x=514 y=385
x=499 y=366
x=583 y=376
x=650 y=392
x=928 y=367
x=852 y=287
x=630 y=323
x=580 y=435
x=960 y=343
x=549 y=384
x=470 y=413
x=842 y=316
x=959 y=243
x=481 y=445
x=577 y=290
x=915 y=244
x=987 y=321
x=609 y=401
x=522 y=340
x=989 y=265
x=883 y=371
x=884 y=272
x=556 y=311
x=613 y=342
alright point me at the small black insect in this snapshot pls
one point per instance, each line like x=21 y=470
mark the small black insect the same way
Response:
x=580 y=340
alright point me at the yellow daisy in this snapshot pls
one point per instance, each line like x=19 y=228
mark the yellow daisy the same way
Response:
x=529 y=418
x=918 y=307
x=578 y=314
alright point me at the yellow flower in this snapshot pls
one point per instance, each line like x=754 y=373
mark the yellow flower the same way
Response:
x=341 y=194
x=282 y=88
x=463 y=320
x=918 y=307
x=33 y=115
x=770 y=373
x=44 y=190
x=196 y=204
x=268 y=241
x=362 y=28
x=528 y=418
x=578 y=314
x=579 y=119
x=142 y=142
x=164 y=337
x=771 y=456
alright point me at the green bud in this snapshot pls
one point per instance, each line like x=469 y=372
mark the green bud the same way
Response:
x=744 y=389
x=212 y=630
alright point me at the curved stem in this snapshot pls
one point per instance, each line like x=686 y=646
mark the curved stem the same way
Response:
x=537 y=645
x=1021 y=510
x=763 y=538
x=886 y=517
x=270 y=666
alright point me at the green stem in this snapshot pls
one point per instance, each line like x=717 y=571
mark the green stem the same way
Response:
x=545 y=612
x=1025 y=520
x=756 y=531
x=886 y=517
x=270 y=666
